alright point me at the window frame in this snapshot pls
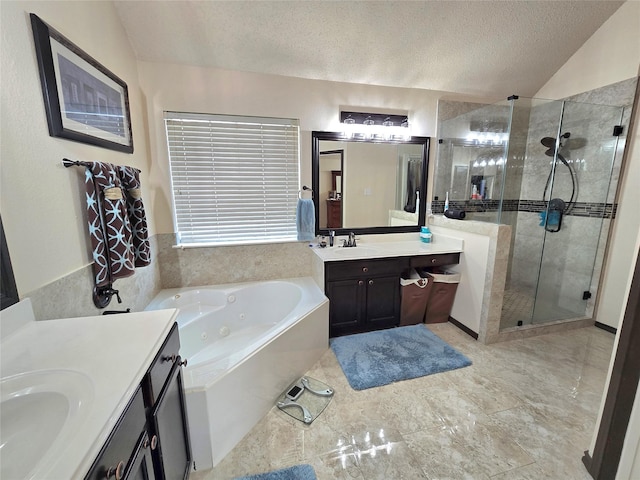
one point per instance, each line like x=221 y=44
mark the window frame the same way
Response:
x=280 y=141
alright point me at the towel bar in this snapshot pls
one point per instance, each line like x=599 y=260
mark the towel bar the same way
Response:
x=305 y=188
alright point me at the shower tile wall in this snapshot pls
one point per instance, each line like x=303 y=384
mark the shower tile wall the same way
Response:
x=455 y=119
x=568 y=263
x=567 y=259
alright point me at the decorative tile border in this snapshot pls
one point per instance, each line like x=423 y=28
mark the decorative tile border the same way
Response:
x=580 y=209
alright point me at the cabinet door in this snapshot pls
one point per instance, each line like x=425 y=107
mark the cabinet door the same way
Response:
x=118 y=452
x=172 y=457
x=383 y=302
x=345 y=306
x=142 y=464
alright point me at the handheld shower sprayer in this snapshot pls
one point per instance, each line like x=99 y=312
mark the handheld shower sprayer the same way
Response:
x=556 y=206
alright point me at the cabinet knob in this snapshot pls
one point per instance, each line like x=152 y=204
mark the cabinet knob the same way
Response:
x=182 y=363
x=117 y=471
x=370 y=282
x=153 y=443
x=365 y=269
x=171 y=358
x=434 y=260
x=360 y=282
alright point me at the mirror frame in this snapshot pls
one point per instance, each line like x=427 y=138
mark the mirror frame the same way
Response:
x=318 y=136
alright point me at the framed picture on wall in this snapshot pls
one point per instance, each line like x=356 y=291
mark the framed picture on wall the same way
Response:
x=84 y=101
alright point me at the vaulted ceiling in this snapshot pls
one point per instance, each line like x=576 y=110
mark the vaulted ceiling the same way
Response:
x=489 y=47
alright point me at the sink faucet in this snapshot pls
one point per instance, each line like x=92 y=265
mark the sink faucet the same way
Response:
x=351 y=242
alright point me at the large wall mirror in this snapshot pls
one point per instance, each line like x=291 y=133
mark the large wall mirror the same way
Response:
x=368 y=186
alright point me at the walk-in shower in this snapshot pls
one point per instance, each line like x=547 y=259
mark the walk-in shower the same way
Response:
x=545 y=168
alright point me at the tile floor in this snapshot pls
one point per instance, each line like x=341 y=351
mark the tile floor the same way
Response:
x=525 y=410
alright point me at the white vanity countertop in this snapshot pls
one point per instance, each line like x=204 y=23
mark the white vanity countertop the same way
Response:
x=408 y=245
x=109 y=353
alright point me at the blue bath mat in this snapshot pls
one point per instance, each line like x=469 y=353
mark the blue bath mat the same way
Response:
x=297 y=472
x=378 y=358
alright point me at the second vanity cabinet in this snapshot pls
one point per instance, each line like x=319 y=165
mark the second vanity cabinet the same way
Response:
x=151 y=439
x=364 y=295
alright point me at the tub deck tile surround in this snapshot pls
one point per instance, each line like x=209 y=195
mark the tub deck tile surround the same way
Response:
x=525 y=409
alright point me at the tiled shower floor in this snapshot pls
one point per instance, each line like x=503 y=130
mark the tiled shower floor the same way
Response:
x=516 y=306
x=519 y=306
x=525 y=409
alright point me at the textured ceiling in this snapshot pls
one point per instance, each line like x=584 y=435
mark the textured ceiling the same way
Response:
x=491 y=48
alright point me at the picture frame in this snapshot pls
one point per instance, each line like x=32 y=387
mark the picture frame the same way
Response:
x=84 y=101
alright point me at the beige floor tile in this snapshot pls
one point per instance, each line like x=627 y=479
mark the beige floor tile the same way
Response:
x=525 y=410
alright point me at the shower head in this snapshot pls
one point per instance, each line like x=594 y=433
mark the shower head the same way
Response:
x=550 y=143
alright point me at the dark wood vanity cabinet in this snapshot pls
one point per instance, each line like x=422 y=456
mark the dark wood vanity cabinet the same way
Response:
x=151 y=439
x=124 y=454
x=364 y=295
x=167 y=412
x=334 y=213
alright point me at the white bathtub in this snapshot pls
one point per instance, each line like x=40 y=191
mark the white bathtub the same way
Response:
x=245 y=343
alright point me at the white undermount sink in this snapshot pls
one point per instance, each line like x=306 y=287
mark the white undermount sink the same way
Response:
x=39 y=412
x=355 y=251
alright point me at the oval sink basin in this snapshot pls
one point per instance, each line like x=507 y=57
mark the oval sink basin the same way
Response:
x=355 y=251
x=39 y=411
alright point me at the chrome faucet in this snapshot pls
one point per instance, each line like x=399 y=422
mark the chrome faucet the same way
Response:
x=351 y=241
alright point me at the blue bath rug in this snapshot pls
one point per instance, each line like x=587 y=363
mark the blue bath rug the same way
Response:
x=378 y=358
x=297 y=472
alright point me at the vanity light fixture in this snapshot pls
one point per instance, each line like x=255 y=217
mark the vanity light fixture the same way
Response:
x=372 y=126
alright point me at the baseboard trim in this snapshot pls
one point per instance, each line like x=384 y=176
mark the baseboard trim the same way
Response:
x=464 y=328
x=606 y=327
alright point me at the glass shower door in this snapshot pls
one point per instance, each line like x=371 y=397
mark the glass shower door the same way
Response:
x=580 y=158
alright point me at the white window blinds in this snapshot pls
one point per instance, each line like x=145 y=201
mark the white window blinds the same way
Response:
x=234 y=179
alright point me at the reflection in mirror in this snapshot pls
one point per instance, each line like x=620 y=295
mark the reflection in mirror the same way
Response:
x=476 y=171
x=368 y=186
x=330 y=190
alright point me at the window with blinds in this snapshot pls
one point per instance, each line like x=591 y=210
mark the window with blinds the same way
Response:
x=234 y=179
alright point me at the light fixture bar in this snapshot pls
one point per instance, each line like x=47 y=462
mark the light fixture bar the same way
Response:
x=375 y=125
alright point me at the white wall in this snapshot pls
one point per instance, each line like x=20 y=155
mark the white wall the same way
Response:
x=42 y=202
x=609 y=56
x=315 y=103
x=467 y=306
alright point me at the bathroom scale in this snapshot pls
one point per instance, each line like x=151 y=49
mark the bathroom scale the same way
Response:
x=305 y=399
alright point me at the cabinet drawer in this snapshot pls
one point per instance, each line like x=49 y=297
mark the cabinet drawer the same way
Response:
x=161 y=366
x=435 y=260
x=364 y=268
x=122 y=443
